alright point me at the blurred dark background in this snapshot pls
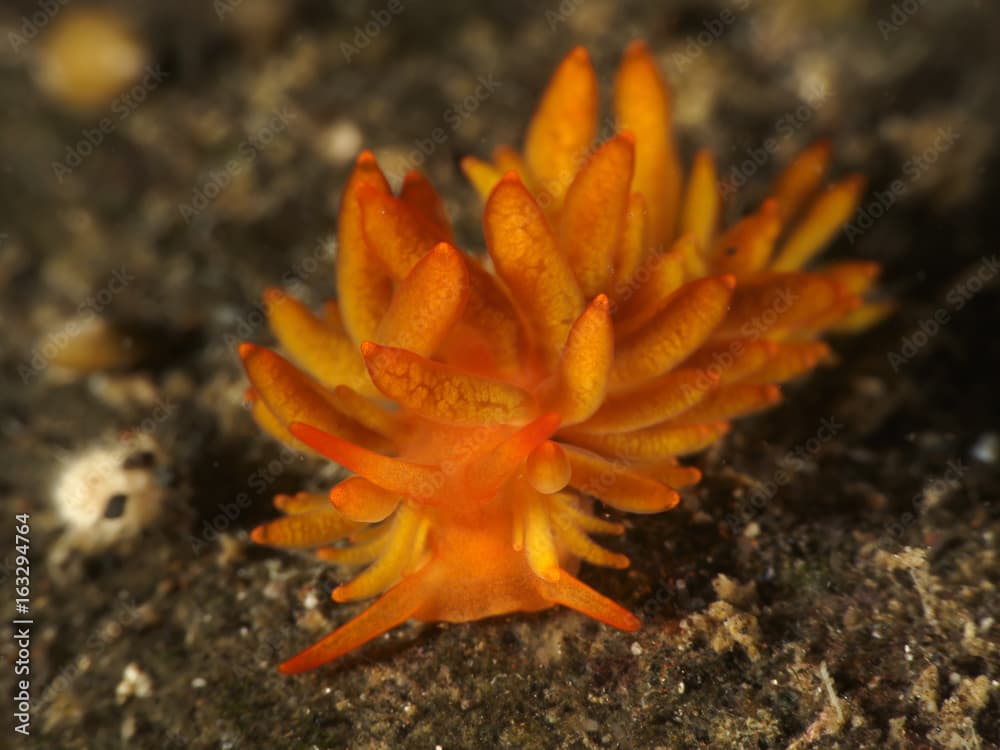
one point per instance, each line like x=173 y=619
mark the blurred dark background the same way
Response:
x=162 y=163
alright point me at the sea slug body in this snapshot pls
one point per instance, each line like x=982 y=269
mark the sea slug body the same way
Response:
x=481 y=404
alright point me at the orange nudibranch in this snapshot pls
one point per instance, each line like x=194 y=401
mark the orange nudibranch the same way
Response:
x=482 y=407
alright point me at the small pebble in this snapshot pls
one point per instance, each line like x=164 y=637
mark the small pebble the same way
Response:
x=134 y=684
x=986 y=449
x=340 y=142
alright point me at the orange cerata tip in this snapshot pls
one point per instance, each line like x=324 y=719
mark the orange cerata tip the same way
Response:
x=485 y=408
x=247 y=349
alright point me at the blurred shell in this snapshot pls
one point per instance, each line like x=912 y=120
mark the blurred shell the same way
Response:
x=88 y=344
x=89 y=57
